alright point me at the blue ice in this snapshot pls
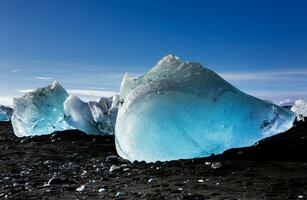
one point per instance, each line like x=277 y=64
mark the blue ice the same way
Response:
x=181 y=110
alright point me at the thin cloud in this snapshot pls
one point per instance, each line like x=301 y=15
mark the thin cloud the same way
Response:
x=276 y=85
x=15 y=70
x=92 y=93
x=279 y=97
x=83 y=92
x=66 y=64
x=85 y=68
x=266 y=75
x=42 y=78
x=26 y=90
x=274 y=93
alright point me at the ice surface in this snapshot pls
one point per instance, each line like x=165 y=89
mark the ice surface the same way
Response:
x=183 y=110
x=300 y=108
x=114 y=108
x=78 y=114
x=95 y=118
x=5 y=113
x=40 y=112
x=50 y=109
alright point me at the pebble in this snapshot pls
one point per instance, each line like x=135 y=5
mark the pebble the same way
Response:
x=114 y=168
x=102 y=190
x=112 y=158
x=126 y=169
x=119 y=194
x=54 y=181
x=83 y=172
x=124 y=165
x=81 y=188
x=207 y=163
x=151 y=180
x=23 y=141
x=216 y=165
x=47 y=162
x=16 y=185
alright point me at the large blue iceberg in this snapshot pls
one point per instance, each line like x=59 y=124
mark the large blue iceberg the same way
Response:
x=183 y=110
x=5 y=113
x=40 y=112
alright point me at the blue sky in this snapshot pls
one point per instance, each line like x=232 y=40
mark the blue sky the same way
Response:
x=259 y=46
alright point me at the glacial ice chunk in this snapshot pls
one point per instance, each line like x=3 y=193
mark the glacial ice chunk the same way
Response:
x=183 y=110
x=113 y=110
x=78 y=114
x=5 y=113
x=40 y=112
x=95 y=118
x=300 y=108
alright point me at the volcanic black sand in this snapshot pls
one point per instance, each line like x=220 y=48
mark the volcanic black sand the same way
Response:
x=275 y=168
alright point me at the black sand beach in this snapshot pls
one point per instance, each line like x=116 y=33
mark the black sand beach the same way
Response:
x=275 y=168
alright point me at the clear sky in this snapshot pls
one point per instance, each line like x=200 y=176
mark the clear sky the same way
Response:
x=259 y=46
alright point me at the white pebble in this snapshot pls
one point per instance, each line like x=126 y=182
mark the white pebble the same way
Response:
x=119 y=194
x=81 y=188
x=216 y=165
x=102 y=190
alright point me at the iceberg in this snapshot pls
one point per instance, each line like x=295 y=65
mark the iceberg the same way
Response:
x=181 y=110
x=40 y=112
x=300 y=108
x=5 y=113
x=96 y=118
x=113 y=110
